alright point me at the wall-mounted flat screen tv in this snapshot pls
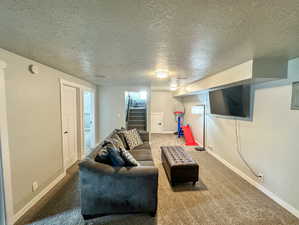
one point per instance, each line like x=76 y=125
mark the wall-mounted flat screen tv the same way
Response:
x=231 y=101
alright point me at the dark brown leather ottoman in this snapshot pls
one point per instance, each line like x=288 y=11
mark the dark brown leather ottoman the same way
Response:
x=178 y=165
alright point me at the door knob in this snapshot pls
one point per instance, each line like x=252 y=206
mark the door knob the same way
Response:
x=66 y=132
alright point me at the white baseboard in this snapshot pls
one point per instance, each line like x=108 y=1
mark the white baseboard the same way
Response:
x=165 y=132
x=30 y=204
x=262 y=188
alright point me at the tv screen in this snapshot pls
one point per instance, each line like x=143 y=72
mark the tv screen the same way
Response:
x=232 y=101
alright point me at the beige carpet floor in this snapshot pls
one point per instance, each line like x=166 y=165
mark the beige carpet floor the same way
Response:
x=220 y=198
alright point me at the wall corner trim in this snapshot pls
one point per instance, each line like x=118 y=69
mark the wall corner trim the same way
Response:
x=260 y=187
x=4 y=150
x=39 y=196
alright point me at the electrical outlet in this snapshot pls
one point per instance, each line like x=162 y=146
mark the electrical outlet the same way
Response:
x=34 y=186
x=261 y=177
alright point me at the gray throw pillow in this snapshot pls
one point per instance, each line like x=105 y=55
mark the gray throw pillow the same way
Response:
x=128 y=158
x=133 y=138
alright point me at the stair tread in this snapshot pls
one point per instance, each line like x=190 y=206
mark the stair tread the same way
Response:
x=136 y=119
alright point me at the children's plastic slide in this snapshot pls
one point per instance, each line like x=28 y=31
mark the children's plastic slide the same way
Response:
x=189 y=139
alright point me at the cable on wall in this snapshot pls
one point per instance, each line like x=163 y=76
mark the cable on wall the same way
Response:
x=238 y=145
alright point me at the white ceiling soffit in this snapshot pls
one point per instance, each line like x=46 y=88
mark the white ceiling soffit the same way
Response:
x=252 y=71
x=124 y=42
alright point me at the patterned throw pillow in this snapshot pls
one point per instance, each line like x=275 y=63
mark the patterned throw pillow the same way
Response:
x=117 y=142
x=121 y=136
x=108 y=142
x=133 y=138
x=128 y=158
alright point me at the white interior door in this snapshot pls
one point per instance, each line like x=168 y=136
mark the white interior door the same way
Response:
x=157 y=125
x=69 y=125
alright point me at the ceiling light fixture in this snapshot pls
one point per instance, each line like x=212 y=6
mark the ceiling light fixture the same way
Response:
x=162 y=74
x=173 y=88
x=33 y=69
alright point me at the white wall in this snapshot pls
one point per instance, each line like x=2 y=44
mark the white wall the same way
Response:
x=112 y=108
x=163 y=101
x=34 y=125
x=2 y=209
x=269 y=142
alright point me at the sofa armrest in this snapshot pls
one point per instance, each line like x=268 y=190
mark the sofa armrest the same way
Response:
x=106 y=189
x=144 y=135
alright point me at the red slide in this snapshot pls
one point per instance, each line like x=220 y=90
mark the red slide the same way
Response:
x=189 y=139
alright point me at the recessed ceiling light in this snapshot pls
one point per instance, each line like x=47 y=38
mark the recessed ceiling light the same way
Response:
x=172 y=88
x=162 y=74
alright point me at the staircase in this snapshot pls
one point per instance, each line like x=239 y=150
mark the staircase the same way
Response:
x=137 y=117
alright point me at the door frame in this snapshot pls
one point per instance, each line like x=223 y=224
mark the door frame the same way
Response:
x=80 y=114
x=4 y=151
x=93 y=118
x=67 y=162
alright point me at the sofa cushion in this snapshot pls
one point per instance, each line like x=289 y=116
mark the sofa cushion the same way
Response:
x=128 y=158
x=133 y=138
x=142 y=155
x=145 y=145
x=146 y=163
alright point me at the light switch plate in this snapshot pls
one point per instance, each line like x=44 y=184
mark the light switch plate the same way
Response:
x=295 y=96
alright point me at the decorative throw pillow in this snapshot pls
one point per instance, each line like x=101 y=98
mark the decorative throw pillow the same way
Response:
x=117 y=141
x=133 y=138
x=123 y=139
x=108 y=142
x=103 y=156
x=115 y=157
x=128 y=158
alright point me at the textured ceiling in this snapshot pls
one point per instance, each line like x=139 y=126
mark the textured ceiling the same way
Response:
x=127 y=40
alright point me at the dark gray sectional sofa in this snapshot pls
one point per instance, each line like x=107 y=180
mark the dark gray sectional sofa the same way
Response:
x=109 y=190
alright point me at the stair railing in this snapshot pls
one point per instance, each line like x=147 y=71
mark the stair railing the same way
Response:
x=145 y=116
x=128 y=109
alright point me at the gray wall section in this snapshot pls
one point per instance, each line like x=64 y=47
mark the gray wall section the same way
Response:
x=34 y=125
x=163 y=101
x=112 y=111
x=269 y=142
